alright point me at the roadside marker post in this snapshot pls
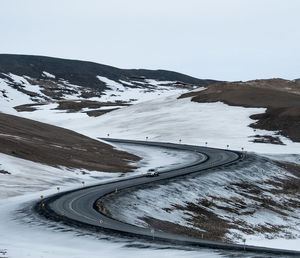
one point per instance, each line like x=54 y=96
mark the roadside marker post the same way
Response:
x=152 y=231
x=227 y=146
x=101 y=221
x=116 y=190
x=58 y=188
x=108 y=135
x=202 y=235
x=206 y=144
x=179 y=140
x=83 y=183
x=42 y=196
x=244 y=240
x=146 y=138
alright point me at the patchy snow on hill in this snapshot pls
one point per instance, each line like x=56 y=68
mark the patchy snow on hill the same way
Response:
x=170 y=119
x=138 y=91
x=11 y=96
x=255 y=202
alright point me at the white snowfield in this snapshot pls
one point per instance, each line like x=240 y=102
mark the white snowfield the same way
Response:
x=156 y=114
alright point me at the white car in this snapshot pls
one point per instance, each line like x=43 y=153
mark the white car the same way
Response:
x=152 y=172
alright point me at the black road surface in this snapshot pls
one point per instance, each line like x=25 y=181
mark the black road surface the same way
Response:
x=77 y=207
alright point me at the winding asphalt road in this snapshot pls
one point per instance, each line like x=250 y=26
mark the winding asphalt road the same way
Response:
x=77 y=207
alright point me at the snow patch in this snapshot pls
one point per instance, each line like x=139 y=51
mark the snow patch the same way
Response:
x=113 y=85
x=48 y=75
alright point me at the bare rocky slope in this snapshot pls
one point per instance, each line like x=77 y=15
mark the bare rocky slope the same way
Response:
x=55 y=146
x=84 y=73
x=280 y=97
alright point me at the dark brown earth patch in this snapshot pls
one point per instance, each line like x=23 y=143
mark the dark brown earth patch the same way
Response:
x=72 y=106
x=280 y=97
x=55 y=146
x=76 y=106
x=4 y=172
x=214 y=227
x=28 y=107
x=267 y=139
x=285 y=120
x=96 y=113
x=167 y=226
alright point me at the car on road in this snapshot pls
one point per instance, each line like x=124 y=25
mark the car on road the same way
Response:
x=152 y=172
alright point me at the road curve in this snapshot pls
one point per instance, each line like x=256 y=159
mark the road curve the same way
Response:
x=77 y=207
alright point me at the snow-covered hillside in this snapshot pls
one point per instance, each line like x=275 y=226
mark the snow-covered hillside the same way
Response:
x=156 y=113
x=171 y=119
x=23 y=90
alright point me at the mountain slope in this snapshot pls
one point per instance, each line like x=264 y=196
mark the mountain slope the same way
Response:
x=84 y=73
x=280 y=97
x=55 y=146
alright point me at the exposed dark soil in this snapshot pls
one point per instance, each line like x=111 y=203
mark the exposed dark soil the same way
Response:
x=55 y=146
x=167 y=226
x=28 y=107
x=280 y=97
x=215 y=227
x=75 y=106
x=96 y=113
x=4 y=172
x=72 y=106
x=267 y=139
